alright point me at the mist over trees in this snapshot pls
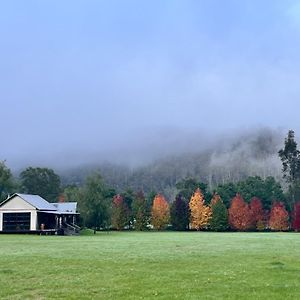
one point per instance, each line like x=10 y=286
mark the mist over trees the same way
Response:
x=183 y=191
x=230 y=159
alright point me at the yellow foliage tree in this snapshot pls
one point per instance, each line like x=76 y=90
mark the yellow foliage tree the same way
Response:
x=200 y=213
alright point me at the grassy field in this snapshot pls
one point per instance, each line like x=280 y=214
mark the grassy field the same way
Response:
x=151 y=265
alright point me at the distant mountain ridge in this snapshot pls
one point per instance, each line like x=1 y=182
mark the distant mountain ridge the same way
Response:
x=229 y=160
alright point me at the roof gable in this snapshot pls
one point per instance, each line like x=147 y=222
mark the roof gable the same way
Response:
x=34 y=200
x=16 y=203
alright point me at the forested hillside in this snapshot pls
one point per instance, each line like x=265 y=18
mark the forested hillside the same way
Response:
x=230 y=159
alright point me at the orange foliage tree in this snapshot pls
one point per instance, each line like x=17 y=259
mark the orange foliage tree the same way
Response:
x=200 y=213
x=279 y=217
x=160 y=213
x=239 y=214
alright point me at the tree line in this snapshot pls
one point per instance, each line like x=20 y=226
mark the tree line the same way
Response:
x=254 y=203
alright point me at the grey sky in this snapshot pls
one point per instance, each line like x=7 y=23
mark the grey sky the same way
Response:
x=108 y=79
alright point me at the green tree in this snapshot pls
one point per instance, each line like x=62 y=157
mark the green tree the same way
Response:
x=119 y=215
x=290 y=158
x=267 y=190
x=140 y=211
x=227 y=191
x=6 y=181
x=180 y=214
x=219 y=220
x=186 y=188
x=128 y=197
x=41 y=181
x=149 y=199
x=95 y=202
x=72 y=193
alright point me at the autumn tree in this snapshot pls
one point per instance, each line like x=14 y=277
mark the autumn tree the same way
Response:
x=219 y=220
x=257 y=214
x=140 y=211
x=200 y=214
x=160 y=213
x=179 y=214
x=119 y=217
x=239 y=214
x=279 y=217
x=296 y=217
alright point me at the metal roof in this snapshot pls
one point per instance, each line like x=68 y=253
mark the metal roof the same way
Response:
x=66 y=207
x=44 y=206
x=36 y=201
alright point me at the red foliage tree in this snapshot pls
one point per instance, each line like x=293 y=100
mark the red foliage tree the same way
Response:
x=296 y=217
x=239 y=214
x=257 y=214
x=279 y=217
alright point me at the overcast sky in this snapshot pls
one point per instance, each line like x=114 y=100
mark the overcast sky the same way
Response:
x=82 y=79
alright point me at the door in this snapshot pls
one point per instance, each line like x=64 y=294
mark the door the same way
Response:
x=16 y=221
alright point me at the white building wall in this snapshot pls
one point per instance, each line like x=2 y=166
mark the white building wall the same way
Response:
x=1 y=221
x=33 y=220
x=18 y=205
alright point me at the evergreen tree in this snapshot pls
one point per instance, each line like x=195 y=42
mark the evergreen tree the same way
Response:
x=219 y=220
x=290 y=158
x=140 y=211
x=227 y=191
x=128 y=198
x=179 y=214
x=187 y=187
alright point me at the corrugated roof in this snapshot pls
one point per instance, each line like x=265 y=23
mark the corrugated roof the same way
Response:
x=66 y=207
x=37 y=201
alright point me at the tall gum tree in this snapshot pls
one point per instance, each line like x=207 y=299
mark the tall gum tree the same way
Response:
x=290 y=158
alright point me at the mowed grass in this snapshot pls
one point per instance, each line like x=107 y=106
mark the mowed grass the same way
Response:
x=151 y=265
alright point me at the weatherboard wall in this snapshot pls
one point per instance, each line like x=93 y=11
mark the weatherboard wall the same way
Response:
x=18 y=205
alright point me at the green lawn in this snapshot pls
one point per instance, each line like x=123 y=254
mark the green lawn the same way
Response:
x=151 y=265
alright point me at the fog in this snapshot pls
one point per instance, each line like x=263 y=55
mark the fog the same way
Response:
x=129 y=82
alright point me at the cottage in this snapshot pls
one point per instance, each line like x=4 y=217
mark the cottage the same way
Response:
x=33 y=214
